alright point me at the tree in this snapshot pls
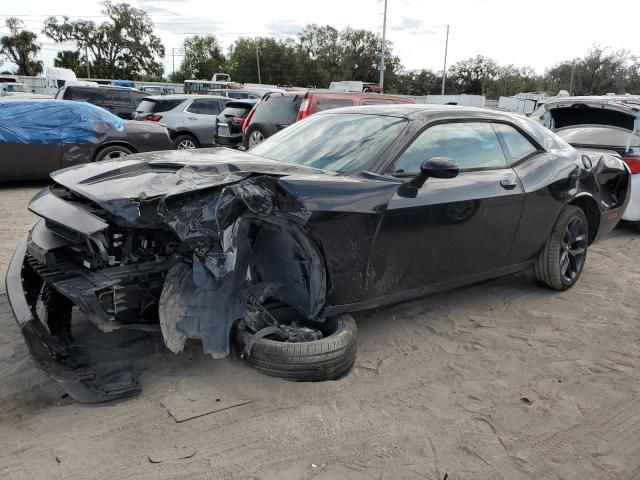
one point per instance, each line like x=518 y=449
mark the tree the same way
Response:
x=470 y=75
x=202 y=57
x=20 y=47
x=323 y=45
x=72 y=60
x=418 y=82
x=509 y=80
x=124 y=46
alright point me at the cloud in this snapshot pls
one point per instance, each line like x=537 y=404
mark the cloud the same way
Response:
x=151 y=8
x=188 y=25
x=412 y=26
x=283 y=28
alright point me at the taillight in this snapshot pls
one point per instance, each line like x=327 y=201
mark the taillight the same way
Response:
x=634 y=164
x=238 y=120
x=304 y=110
x=248 y=119
x=153 y=118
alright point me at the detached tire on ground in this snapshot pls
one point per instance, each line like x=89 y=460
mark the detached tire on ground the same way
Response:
x=112 y=153
x=562 y=259
x=329 y=358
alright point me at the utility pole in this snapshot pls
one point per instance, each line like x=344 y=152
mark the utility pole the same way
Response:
x=444 y=69
x=86 y=56
x=173 y=58
x=573 y=71
x=258 y=63
x=384 y=46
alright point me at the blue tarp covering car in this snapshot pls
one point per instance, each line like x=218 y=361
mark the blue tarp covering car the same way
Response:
x=53 y=121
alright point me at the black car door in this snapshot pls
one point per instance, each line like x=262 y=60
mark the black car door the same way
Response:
x=453 y=228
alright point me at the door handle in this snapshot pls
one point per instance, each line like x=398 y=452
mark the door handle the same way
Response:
x=508 y=183
x=191 y=118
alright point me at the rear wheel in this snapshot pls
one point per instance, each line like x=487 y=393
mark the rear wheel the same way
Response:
x=185 y=142
x=562 y=259
x=113 y=152
x=256 y=134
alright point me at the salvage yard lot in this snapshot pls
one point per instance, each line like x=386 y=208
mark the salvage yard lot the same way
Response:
x=437 y=389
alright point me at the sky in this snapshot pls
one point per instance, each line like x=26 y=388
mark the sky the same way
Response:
x=536 y=34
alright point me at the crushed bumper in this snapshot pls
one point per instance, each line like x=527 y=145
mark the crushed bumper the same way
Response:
x=89 y=384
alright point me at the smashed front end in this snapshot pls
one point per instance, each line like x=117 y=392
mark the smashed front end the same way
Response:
x=189 y=255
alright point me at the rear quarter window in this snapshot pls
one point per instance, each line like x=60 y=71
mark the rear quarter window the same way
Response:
x=153 y=106
x=515 y=145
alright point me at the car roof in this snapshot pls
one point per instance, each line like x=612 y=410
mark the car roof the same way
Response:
x=426 y=113
x=335 y=94
x=183 y=96
x=415 y=109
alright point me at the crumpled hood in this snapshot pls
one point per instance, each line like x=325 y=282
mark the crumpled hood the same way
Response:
x=121 y=186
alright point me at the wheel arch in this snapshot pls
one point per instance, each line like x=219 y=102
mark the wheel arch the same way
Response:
x=304 y=272
x=590 y=208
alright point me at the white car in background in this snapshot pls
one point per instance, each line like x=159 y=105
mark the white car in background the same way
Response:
x=610 y=123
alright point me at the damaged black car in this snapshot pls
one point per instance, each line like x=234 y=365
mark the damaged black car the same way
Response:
x=269 y=250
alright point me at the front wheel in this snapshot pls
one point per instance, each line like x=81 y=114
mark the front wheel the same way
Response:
x=562 y=259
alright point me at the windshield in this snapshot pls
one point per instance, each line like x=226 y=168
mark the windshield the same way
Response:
x=337 y=142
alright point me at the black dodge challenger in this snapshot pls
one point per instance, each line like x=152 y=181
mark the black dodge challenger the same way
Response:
x=269 y=249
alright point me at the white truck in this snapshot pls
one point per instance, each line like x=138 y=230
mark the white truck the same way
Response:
x=56 y=78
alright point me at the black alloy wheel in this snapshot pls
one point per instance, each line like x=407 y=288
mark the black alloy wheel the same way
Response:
x=574 y=249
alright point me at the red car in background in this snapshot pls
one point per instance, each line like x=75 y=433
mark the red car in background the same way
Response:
x=277 y=110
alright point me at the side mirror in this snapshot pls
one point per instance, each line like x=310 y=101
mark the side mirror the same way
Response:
x=435 y=167
x=439 y=167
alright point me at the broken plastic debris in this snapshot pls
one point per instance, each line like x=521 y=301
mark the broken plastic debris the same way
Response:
x=175 y=453
x=528 y=399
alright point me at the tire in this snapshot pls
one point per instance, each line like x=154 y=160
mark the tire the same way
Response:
x=329 y=358
x=114 y=152
x=563 y=257
x=257 y=134
x=185 y=142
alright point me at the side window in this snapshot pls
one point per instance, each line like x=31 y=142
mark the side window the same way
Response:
x=118 y=97
x=470 y=144
x=375 y=101
x=207 y=107
x=516 y=145
x=329 y=103
x=91 y=95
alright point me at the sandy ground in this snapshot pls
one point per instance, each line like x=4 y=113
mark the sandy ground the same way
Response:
x=437 y=389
